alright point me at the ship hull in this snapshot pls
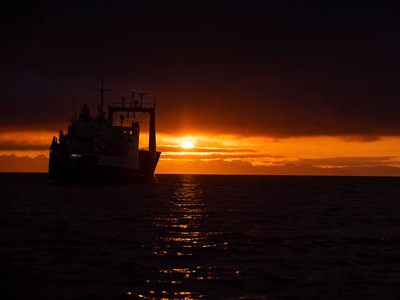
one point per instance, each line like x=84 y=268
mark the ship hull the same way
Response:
x=85 y=168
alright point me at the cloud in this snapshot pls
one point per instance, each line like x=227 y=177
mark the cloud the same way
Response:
x=14 y=146
x=216 y=156
x=349 y=161
x=246 y=168
x=242 y=71
x=12 y=163
x=360 y=138
x=202 y=149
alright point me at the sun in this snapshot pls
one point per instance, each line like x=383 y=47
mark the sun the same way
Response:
x=187 y=145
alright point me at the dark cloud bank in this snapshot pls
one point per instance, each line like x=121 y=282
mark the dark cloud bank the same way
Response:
x=349 y=166
x=277 y=69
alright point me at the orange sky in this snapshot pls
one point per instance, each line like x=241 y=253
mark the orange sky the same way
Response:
x=230 y=154
x=272 y=88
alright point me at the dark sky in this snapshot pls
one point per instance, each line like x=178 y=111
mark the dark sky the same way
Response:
x=280 y=69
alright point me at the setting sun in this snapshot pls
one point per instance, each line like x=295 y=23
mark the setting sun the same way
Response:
x=187 y=145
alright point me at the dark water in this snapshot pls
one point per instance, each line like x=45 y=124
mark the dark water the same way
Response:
x=201 y=237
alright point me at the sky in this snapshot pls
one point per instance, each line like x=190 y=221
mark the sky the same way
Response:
x=283 y=87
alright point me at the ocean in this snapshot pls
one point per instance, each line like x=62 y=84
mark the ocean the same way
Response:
x=201 y=237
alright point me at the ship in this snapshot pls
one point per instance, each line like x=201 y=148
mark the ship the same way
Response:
x=105 y=149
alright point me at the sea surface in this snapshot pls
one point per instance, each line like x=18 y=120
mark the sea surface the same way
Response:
x=201 y=237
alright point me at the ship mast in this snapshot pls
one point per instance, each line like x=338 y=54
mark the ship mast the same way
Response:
x=102 y=90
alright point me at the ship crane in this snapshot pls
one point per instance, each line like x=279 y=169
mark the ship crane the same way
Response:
x=147 y=108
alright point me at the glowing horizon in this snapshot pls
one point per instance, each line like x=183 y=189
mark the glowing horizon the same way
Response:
x=239 y=154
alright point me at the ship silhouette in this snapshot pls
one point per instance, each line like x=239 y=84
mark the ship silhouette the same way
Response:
x=106 y=150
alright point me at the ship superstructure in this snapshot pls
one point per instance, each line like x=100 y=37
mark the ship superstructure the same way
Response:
x=99 y=149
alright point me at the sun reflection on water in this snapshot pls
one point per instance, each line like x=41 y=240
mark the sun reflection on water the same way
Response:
x=180 y=246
